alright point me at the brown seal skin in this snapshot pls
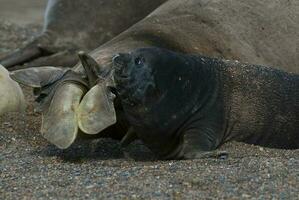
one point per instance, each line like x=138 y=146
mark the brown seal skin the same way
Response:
x=182 y=105
x=78 y=25
x=249 y=31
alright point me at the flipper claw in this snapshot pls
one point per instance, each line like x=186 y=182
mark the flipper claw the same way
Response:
x=91 y=67
x=130 y=137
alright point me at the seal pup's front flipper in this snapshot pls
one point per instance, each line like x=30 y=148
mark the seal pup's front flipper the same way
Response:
x=130 y=137
x=200 y=144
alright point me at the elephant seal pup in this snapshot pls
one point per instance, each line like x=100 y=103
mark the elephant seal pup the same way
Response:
x=183 y=105
x=79 y=25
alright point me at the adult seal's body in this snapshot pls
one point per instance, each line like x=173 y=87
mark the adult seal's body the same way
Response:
x=79 y=25
x=181 y=105
x=238 y=30
x=249 y=31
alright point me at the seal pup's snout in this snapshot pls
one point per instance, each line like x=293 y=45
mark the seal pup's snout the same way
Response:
x=121 y=64
x=121 y=60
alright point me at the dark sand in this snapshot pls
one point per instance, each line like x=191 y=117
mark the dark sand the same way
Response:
x=30 y=168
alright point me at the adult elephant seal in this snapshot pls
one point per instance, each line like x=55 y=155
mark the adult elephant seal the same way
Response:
x=79 y=25
x=182 y=105
x=249 y=31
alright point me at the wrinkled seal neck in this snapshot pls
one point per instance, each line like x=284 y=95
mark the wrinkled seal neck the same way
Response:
x=186 y=87
x=203 y=93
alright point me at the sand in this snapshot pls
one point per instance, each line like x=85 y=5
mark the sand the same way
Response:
x=31 y=168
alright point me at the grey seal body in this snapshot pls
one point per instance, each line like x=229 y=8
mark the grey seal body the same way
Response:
x=242 y=30
x=184 y=105
x=71 y=26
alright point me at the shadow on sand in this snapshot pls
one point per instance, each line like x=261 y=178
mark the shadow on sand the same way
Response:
x=99 y=149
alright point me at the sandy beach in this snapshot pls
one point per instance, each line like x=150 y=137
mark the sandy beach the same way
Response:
x=31 y=168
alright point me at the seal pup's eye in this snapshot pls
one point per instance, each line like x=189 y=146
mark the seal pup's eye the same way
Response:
x=139 y=61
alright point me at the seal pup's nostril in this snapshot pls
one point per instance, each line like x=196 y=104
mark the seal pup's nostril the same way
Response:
x=117 y=60
x=121 y=59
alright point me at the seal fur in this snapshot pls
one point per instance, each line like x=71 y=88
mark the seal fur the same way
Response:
x=183 y=105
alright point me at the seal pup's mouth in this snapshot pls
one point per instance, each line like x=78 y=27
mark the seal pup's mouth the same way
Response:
x=120 y=62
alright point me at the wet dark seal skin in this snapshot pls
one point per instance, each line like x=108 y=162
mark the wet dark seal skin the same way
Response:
x=71 y=26
x=183 y=105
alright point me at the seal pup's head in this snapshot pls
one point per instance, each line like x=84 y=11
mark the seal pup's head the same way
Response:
x=134 y=76
x=158 y=91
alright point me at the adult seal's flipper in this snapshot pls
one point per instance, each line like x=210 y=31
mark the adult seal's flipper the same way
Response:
x=21 y=56
x=59 y=124
x=43 y=80
x=92 y=68
x=38 y=77
x=42 y=51
x=59 y=92
x=11 y=95
x=96 y=111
